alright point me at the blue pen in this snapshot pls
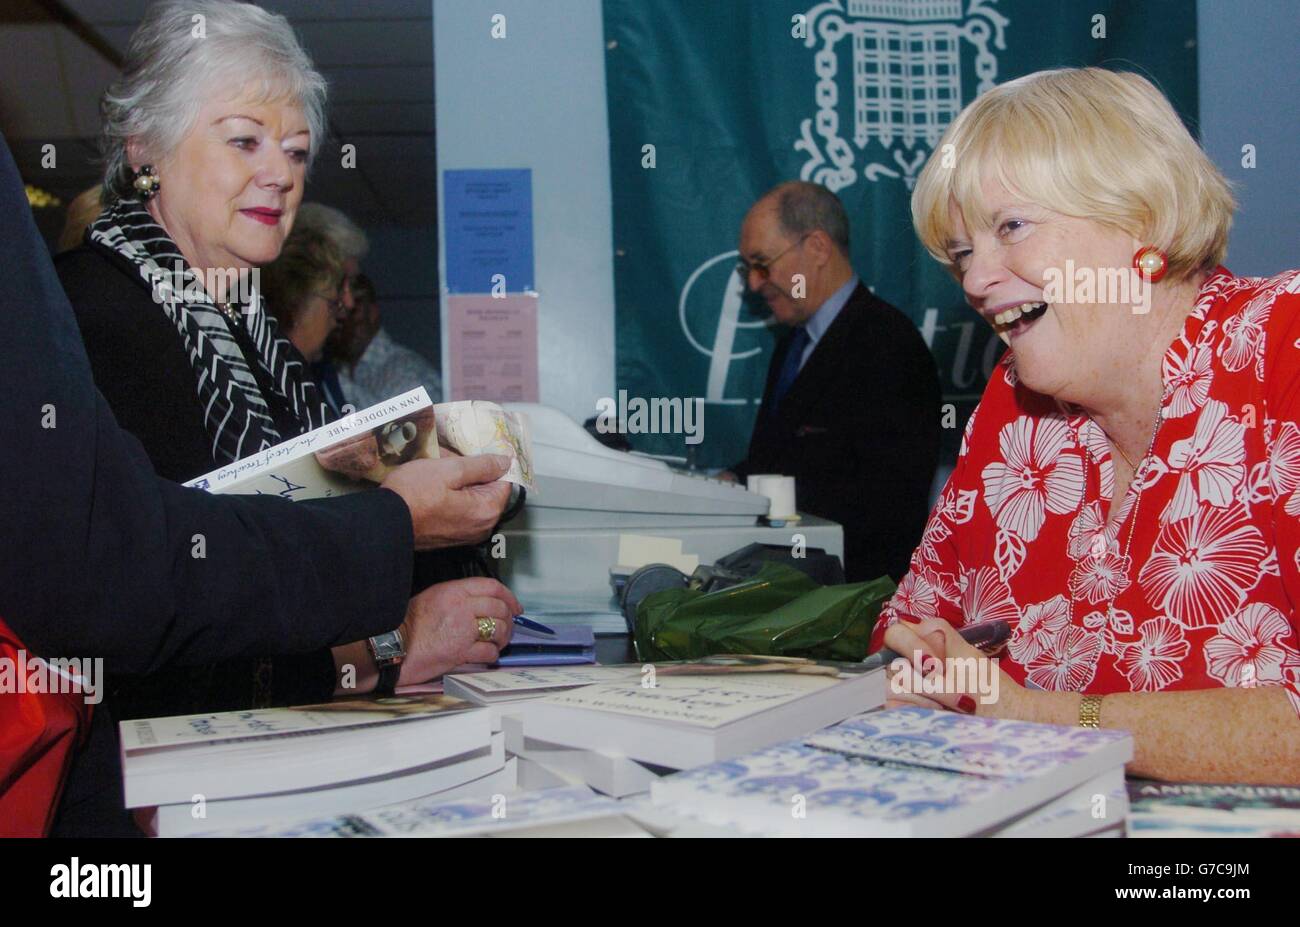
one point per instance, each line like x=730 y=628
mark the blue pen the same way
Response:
x=532 y=625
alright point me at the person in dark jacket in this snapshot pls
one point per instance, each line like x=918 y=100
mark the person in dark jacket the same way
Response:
x=207 y=146
x=851 y=405
x=97 y=551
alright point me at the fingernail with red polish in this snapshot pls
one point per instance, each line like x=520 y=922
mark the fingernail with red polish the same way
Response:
x=910 y=619
x=966 y=704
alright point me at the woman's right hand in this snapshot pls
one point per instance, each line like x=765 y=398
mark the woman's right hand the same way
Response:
x=453 y=501
x=922 y=655
x=441 y=627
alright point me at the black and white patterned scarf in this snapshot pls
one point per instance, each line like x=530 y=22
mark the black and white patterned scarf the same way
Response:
x=235 y=412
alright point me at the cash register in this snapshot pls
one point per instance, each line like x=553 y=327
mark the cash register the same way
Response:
x=560 y=549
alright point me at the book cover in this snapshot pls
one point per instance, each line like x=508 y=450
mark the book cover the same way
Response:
x=1174 y=809
x=964 y=743
x=1149 y=795
x=793 y=789
x=532 y=682
x=357 y=451
x=183 y=731
x=711 y=692
x=361 y=449
x=858 y=778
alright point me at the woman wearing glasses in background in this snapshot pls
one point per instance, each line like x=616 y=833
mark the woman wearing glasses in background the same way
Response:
x=305 y=289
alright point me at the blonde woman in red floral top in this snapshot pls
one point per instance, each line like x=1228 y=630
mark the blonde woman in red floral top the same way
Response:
x=1127 y=494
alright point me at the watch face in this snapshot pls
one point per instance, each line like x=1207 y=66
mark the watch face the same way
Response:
x=387 y=647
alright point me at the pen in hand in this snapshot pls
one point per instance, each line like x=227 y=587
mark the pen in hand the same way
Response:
x=988 y=636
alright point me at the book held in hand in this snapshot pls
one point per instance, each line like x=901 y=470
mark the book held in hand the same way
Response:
x=360 y=450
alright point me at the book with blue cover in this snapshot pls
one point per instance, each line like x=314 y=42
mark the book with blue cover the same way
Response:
x=904 y=772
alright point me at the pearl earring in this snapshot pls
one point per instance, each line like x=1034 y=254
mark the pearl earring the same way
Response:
x=146 y=182
x=1151 y=262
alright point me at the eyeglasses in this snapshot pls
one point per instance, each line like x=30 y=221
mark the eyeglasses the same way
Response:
x=763 y=268
x=335 y=303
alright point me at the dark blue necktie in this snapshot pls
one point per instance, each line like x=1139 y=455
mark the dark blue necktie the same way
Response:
x=790 y=367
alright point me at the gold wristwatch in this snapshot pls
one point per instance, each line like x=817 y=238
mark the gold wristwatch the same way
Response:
x=1090 y=711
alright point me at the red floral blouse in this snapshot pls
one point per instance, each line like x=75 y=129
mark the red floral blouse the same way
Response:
x=1197 y=584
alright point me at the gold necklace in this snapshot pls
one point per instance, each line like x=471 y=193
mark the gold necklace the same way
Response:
x=1115 y=444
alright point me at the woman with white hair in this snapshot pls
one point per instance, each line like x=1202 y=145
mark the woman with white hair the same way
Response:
x=207 y=139
x=1127 y=492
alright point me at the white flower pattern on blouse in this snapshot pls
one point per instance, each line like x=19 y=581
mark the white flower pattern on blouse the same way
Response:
x=1194 y=583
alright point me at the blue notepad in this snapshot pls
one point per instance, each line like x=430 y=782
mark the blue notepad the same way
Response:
x=570 y=644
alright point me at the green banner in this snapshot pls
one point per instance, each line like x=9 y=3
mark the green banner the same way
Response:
x=712 y=102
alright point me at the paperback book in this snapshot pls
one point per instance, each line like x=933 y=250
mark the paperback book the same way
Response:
x=238 y=754
x=362 y=448
x=904 y=772
x=686 y=714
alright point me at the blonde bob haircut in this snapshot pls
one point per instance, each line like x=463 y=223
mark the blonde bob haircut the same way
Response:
x=1082 y=142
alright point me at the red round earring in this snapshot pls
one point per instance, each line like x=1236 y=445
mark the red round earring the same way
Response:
x=1151 y=262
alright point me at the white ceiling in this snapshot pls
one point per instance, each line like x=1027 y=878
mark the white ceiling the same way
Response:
x=376 y=54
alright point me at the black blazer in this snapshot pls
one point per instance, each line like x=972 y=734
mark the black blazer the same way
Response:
x=140 y=365
x=95 y=549
x=859 y=432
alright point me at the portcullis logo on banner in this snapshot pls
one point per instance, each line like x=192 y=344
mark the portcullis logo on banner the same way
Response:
x=907 y=82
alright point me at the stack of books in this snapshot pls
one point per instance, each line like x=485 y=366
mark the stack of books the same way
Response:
x=543 y=764
x=914 y=772
x=618 y=729
x=195 y=773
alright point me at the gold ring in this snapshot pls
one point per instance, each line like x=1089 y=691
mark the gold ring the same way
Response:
x=487 y=627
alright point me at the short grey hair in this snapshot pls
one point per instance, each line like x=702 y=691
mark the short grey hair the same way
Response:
x=170 y=66
x=803 y=208
x=345 y=234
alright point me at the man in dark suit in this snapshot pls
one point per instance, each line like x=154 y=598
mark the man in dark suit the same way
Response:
x=851 y=406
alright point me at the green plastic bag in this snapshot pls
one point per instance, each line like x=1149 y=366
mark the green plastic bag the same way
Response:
x=780 y=612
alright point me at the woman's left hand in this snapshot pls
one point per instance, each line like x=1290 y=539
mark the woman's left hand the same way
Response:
x=952 y=674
